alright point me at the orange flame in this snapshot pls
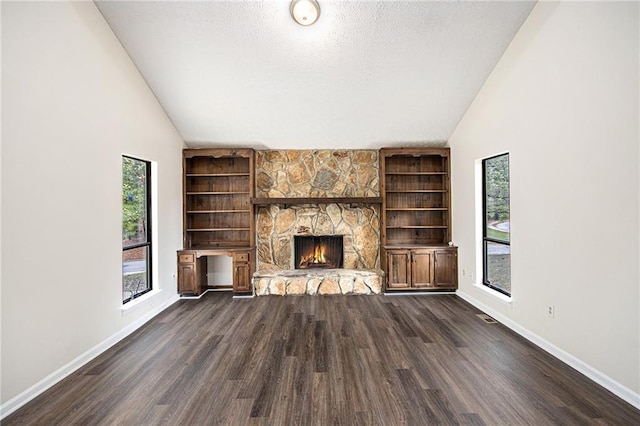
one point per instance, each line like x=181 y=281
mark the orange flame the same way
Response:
x=316 y=258
x=319 y=255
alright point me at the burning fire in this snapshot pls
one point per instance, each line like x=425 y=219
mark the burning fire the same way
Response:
x=318 y=256
x=314 y=259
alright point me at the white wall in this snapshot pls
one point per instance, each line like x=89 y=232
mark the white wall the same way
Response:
x=220 y=271
x=563 y=101
x=72 y=104
x=1 y=239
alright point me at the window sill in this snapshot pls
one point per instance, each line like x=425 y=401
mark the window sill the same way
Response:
x=507 y=300
x=129 y=306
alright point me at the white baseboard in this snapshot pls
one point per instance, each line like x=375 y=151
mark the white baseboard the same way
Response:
x=416 y=293
x=594 y=374
x=21 y=399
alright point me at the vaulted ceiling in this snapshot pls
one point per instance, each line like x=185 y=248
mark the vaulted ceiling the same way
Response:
x=367 y=74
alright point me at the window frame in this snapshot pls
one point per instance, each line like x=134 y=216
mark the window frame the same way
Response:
x=486 y=239
x=149 y=231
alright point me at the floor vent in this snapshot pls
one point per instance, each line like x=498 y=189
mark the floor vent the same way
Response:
x=486 y=318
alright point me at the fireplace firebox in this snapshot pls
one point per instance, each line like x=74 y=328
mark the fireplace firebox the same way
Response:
x=323 y=251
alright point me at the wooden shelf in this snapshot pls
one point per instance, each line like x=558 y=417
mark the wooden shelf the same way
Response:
x=215 y=174
x=218 y=184
x=217 y=193
x=416 y=227
x=216 y=229
x=316 y=200
x=417 y=173
x=418 y=209
x=216 y=211
x=415 y=246
x=414 y=191
x=415 y=187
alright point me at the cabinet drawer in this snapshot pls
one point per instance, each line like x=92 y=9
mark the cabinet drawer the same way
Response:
x=185 y=258
x=240 y=257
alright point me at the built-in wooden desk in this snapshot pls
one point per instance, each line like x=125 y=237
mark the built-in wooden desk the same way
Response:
x=192 y=268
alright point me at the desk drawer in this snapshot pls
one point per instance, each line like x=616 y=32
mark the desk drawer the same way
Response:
x=240 y=257
x=185 y=258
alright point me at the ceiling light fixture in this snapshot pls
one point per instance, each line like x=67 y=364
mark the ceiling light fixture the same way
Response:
x=305 y=12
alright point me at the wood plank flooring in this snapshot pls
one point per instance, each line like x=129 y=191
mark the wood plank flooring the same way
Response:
x=339 y=360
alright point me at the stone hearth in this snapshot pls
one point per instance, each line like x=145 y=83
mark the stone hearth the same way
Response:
x=322 y=282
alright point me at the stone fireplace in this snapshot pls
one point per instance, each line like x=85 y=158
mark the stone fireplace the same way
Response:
x=295 y=176
x=277 y=226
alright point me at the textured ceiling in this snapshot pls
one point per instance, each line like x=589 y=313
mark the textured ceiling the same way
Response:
x=367 y=74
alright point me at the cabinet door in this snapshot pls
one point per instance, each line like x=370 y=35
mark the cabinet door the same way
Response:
x=421 y=269
x=241 y=277
x=445 y=272
x=398 y=269
x=187 y=279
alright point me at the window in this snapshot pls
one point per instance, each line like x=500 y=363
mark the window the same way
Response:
x=496 y=234
x=136 y=228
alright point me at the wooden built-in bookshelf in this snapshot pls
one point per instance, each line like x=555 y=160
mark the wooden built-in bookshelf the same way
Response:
x=218 y=187
x=415 y=191
x=218 y=217
x=416 y=218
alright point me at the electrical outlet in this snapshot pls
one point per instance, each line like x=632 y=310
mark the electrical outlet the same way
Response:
x=551 y=310
x=464 y=272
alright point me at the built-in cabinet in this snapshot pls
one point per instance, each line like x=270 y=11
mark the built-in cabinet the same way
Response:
x=218 y=217
x=422 y=269
x=416 y=219
x=192 y=278
x=242 y=271
x=192 y=269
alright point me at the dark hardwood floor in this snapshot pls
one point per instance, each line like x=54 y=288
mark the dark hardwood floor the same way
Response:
x=306 y=360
